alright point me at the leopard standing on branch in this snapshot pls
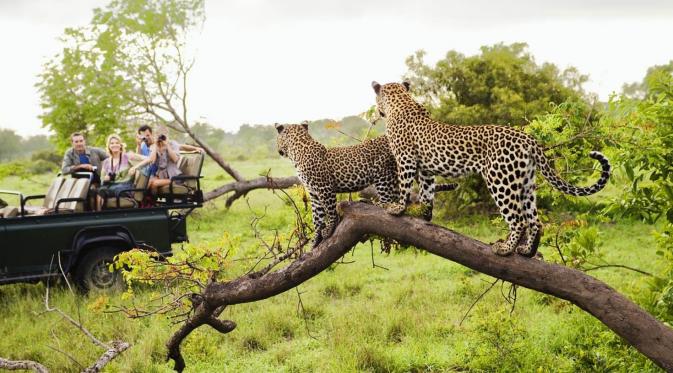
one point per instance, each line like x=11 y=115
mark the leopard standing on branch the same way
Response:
x=504 y=157
x=328 y=171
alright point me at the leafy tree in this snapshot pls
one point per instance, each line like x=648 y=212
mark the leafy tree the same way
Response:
x=113 y=73
x=501 y=85
x=10 y=144
x=646 y=155
x=640 y=89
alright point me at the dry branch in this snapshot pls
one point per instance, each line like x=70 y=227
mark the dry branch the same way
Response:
x=22 y=365
x=241 y=188
x=637 y=327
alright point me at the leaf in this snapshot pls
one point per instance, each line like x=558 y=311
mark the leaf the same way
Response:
x=669 y=215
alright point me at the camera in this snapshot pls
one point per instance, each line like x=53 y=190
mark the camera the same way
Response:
x=162 y=137
x=112 y=176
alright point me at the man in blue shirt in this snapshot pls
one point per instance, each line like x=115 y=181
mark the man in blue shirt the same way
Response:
x=144 y=140
x=82 y=158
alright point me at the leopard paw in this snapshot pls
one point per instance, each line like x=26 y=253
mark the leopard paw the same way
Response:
x=524 y=250
x=395 y=208
x=501 y=248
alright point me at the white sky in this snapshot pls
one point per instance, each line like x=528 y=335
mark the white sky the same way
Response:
x=265 y=61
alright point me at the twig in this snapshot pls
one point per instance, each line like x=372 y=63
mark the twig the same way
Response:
x=617 y=266
x=558 y=248
x=300 y=306
x=374 y=265
x=477 y=300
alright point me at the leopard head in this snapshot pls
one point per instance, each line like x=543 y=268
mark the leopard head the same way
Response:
x=289 y=135
x=394 y=97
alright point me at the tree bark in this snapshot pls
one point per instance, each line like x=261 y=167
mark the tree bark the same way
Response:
x=648 y=335
x=241 y=188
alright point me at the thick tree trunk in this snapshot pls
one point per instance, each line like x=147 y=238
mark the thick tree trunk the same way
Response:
x=637 y=327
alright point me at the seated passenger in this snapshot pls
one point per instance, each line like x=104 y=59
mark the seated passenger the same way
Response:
x=164 y=157
x=116 y=170
x=83 y=158
x=144 y=140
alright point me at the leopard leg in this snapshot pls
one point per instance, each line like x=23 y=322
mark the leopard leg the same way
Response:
x=318 y=214
x=329 y=203
x=507 y=197
x=406 y=173
x=528 y=247
x=427 y=193
x=387 y=189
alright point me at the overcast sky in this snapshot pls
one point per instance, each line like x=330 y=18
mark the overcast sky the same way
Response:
x=264 y=61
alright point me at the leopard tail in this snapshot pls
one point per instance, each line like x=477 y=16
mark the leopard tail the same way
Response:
x=549 y=173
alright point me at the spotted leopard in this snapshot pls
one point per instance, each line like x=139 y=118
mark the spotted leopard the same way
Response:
x=328 y=171
x=505 y=157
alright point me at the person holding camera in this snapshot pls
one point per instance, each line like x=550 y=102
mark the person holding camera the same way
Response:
x=117 y=171
x=164 y=155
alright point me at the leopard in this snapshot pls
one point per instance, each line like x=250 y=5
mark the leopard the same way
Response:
x=346 y=169
x=506 y=158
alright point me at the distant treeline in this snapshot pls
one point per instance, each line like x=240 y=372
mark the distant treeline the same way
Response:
x=259 y=141
x=249 y=142
x=13 y=146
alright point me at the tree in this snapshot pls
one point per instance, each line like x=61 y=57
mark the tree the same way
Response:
x=131 y=66
x=10 y=144
x=641 y=90
x=501 y=85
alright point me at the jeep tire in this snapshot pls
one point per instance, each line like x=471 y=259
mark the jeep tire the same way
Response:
x=93 y=273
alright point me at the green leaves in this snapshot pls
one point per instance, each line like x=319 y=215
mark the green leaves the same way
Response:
x=501 y=85
x=109 y=72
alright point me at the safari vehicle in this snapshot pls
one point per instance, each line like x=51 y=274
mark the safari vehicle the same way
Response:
x=65 y=234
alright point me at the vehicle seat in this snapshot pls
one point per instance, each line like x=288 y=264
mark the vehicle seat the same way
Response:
x=9 y=212
x=140 y=181
x=190 y=164
x=49 y=198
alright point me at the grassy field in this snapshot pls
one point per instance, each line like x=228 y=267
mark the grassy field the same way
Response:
x=406 y=318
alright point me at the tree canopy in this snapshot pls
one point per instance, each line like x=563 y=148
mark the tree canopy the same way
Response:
x=501 y=85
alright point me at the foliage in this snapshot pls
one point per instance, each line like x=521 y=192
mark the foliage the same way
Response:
x=646 y=154
x=13 y=146
x=111 y=70
x=501 y=85
x=576 y=241
x=640 y=90
x=647 y=160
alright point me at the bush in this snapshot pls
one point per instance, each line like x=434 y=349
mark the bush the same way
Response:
x=41 y=167
x=47 y=156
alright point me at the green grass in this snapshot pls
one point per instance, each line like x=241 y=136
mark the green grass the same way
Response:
x=356 y=317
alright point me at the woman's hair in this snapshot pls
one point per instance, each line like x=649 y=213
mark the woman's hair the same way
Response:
x=107 y=144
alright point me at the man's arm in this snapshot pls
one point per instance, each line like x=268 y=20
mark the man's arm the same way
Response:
x=67 y=167
x=191 y=148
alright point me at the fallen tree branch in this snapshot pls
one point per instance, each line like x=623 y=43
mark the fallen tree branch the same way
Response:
x=638 y=328
x=22 y=365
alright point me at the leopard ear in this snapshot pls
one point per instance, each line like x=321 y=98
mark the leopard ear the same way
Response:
x=279 y=127
x=406 y=85
x=377 y=87
x=305 y=124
